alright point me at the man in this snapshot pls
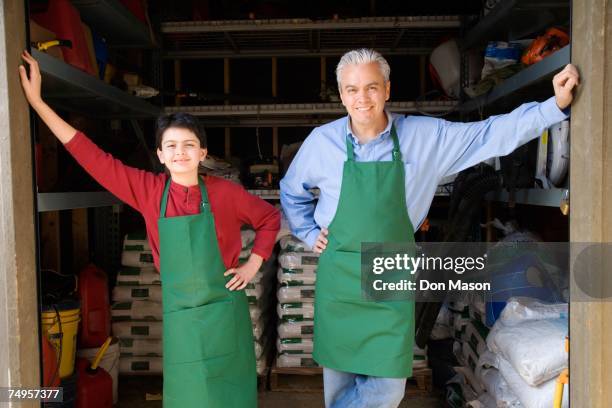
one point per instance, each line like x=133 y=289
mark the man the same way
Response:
x=378 y=173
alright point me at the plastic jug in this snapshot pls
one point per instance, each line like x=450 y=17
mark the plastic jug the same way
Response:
x=51 y=376
x=95 y=307
x=94 y=384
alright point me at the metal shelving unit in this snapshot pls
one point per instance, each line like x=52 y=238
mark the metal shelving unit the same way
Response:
x=293 y=114
x=531 y=196
x=70 y=201
x=275 y=194
x=516 y=19
x=115 y=23
x=512 y=20
x=415 y=35
x=534 y=74
x=71 y=89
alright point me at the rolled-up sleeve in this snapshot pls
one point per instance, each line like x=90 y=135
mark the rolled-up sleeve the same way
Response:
x=463 y=145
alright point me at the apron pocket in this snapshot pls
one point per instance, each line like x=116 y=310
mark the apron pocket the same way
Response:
x=366 y=328
x=200 y=333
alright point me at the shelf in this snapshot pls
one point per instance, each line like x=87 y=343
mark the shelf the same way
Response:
x=69 y=201
x=535 y=73
x=74 y=90
x=113 y=21
x=516 y=19
x=265 y=194
x=293 y=114
x=532 y=196
x=412 y=35
x=275 y=194
x=271 y=194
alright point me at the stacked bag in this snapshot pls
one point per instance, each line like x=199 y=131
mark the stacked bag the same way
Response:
x=419 y=359
x=525 y=354
x=467 y=324
x=137 y=310
x=254 y=292
x=217 y=167
x=296 y=278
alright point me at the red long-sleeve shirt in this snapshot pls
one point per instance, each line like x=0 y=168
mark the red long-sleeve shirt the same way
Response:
x=230 y=204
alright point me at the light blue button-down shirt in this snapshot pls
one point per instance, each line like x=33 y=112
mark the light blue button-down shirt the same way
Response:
x=431 y=150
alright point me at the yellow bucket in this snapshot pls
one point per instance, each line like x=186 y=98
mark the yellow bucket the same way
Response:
x=60 y=323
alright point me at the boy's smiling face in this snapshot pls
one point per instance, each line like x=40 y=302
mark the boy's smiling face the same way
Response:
x=180 y=151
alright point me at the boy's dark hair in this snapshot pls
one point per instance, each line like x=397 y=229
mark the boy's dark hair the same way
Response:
x=179 y=120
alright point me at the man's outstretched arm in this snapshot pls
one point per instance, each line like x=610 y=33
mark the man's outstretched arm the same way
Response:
x=462 y=145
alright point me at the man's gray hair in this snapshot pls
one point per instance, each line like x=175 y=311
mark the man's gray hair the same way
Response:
x=363 y=56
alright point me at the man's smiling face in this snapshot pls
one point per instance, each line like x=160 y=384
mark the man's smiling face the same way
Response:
x=363 y=92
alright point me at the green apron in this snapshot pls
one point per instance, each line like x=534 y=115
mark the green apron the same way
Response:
x=353 y=334
x=209 y=358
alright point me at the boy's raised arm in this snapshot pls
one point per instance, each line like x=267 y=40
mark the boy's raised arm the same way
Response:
x=31 y=88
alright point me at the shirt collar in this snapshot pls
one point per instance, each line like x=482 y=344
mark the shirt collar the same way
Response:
x=381 y=135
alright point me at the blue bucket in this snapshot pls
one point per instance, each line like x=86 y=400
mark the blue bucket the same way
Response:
x=524 y=276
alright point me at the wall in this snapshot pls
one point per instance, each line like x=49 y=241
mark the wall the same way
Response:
x=19 y=357
x=591 y=186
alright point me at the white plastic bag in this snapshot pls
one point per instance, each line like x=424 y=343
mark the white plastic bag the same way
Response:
x=136 y=242
x=245 y=253
x=140 y=347
x=541 y=396
x=262 y=366
x=247 y=236
x=291 y=294
x=519 y=309
x=258 y=350
x=419 y=359
x=484 y=401
x=137 y=258
x=478 y=308
x=299 y=260
x=140 y=365
x=295 y=360
x=255 y=313
x=254 y=290
x=129 y=275
x=535 y=348
x=302 y=329
x=137 y=330
x=290 y=243
x=294 y=346
x=129 y=293
x=295 y=311
x=495 y=384
x=296 y=276
x=442 y=329
x=476 y=334
x=459 y=321
x=137 y=310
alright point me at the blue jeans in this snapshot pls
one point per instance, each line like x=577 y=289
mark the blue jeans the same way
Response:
x=346 y=390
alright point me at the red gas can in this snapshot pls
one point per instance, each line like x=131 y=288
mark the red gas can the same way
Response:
x=51 y=377
x=95 y=325
x=64 y=20
x=94 y=387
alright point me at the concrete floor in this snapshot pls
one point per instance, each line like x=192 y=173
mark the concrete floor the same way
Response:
x=133 y=390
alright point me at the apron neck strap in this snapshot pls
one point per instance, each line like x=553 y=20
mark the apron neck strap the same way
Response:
x=396 y=154
x=164 y=201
